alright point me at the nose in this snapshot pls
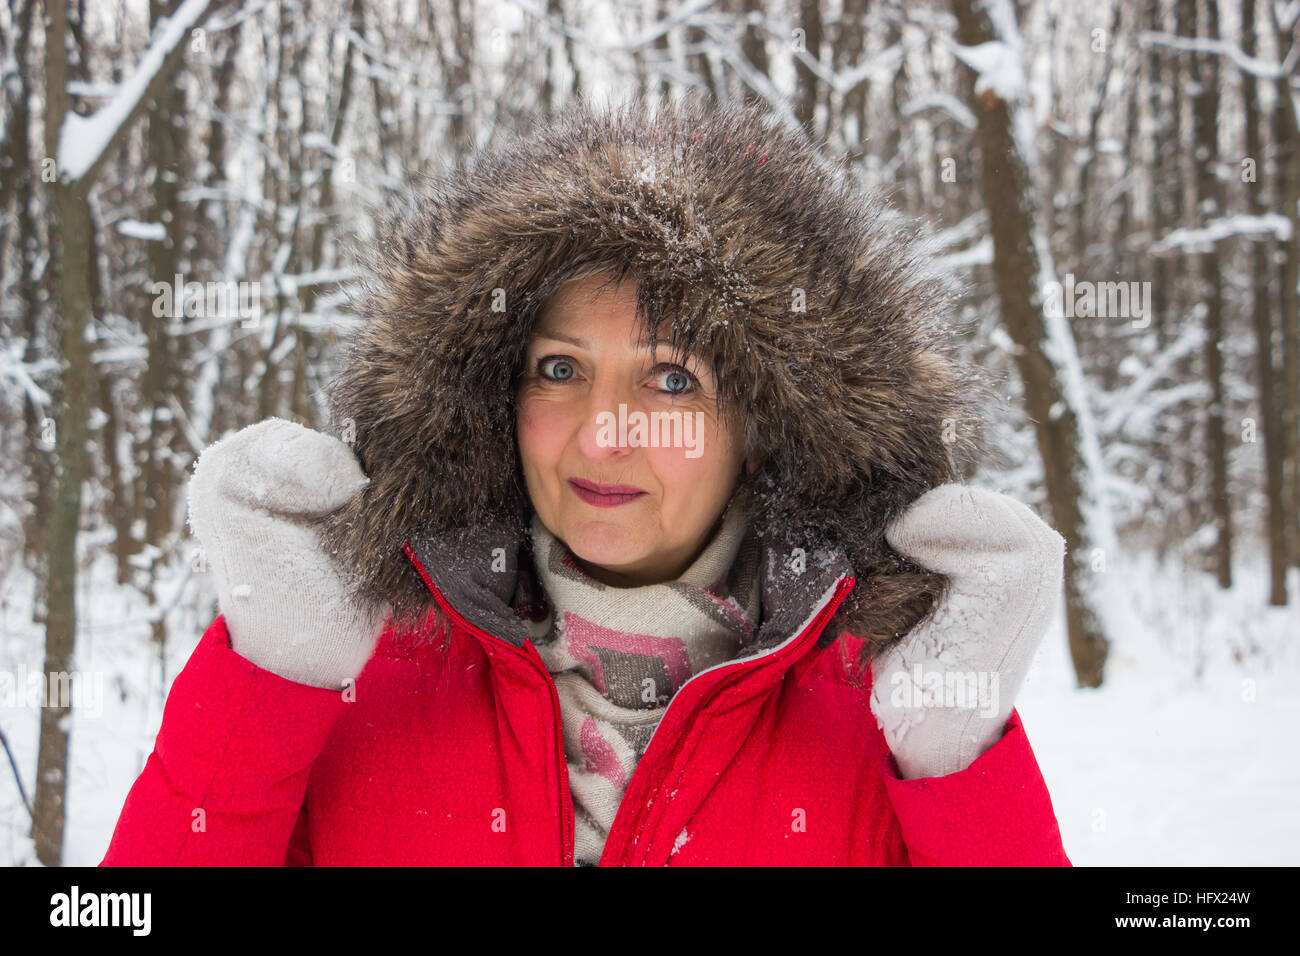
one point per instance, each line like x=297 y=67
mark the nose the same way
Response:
x=602 y=432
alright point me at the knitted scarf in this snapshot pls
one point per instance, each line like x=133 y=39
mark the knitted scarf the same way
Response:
x=618 y=655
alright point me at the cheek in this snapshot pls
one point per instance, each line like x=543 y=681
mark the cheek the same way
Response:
x=543 y=429
x=711 y=470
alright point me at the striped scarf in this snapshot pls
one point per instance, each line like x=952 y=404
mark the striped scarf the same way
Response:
x=618 y=655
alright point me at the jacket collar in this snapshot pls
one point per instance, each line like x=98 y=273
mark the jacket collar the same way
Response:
x=477 y=572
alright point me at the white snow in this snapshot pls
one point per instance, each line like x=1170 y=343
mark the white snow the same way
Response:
x=648 y=173
x=1192 y=240
x=149 y=231
x=998 y=67
x=1185 y=756
x=682 y=839
x=14 y=368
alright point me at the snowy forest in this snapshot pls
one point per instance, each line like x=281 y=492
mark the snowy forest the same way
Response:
x=1113 y=188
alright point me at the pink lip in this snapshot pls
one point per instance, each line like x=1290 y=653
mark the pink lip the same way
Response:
x=604 y=496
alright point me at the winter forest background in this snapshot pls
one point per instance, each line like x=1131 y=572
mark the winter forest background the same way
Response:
x=1115 y=186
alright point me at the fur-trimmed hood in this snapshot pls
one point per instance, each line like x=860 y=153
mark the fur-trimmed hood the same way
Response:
x=825 y=332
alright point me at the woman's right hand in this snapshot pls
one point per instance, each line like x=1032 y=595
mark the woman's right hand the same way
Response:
x=254 y=501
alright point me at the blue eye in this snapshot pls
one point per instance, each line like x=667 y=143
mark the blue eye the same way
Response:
x=680 y=381
x=562 y=362
x=688 y=381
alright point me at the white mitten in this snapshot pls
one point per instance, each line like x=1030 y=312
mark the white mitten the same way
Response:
x=943 y=693
x=252 y=501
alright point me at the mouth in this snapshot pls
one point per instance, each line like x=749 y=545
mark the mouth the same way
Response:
x=604 y=496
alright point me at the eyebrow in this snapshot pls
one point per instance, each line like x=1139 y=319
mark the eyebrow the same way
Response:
x=580 y=343
x=562 y=338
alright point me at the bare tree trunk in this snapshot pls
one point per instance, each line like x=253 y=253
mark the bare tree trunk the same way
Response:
x=283 y=185
x=325 y=203
x=806 y=82
x=546 y=97
x=1286 y=133
x=459 y=88
x=551 y=66
x=72 y=251
x=662 y=51
x=1072 y=484
x=166 y=112
x=753 y=45
x=389 y=138
x=1082 y=232
x=1166 y=191
x=70 y=450
x=119 y=504
x=1270 y=406
x=1132 y=110
x=1205 y=116
x=699 y=60
x=850 y=46
x=17 y=183
x=1187 y=465
x=906 y=198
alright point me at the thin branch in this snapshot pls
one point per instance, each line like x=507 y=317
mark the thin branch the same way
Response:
x=1269 y=69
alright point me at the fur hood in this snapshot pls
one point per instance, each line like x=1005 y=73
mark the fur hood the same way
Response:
x=826 y=335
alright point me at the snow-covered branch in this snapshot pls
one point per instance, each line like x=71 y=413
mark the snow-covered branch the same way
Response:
x=980 y=254
x=1267 y=69
x=944 y=102
x=1218 y=229
x=11 y=367
x=1118 y=407
x=84 y=140
x=969 y=228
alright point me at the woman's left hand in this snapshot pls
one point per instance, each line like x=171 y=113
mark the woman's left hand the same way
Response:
x=942 y=694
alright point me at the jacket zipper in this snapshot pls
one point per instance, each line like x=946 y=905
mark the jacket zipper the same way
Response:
x=817 y=620
x=837 y=593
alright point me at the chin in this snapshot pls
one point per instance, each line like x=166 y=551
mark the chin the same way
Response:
x=605 y=543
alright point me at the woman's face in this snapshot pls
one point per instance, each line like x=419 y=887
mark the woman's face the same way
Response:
x=587 y=374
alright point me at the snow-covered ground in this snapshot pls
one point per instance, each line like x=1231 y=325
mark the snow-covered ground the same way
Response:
x=1186 y=756
x=113 y=735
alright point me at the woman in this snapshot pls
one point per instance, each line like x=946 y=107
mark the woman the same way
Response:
x=563 y=593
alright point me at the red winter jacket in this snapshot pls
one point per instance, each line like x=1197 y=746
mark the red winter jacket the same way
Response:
x=452 y=754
